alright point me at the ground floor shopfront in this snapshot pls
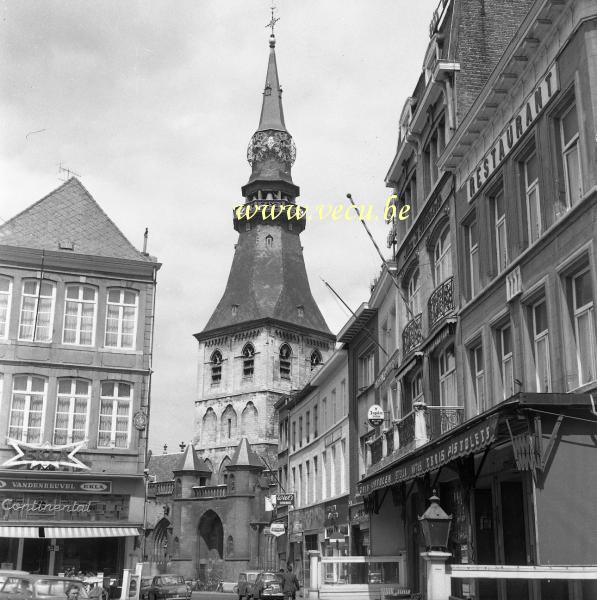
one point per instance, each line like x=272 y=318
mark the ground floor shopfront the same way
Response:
x=517 y=481
x=55 y=522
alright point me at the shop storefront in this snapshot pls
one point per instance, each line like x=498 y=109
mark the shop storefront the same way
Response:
x=504 y=476
x=54 y=523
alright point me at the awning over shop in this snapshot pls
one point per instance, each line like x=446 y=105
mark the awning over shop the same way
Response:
x=19 y=532
x=474 y=439
x=89 y=532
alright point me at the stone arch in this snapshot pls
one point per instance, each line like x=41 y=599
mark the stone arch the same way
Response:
x=158 y=544
x=208 y=428
x=223 y=471
x=228 y=424
x=210 y=541
x=248 y=420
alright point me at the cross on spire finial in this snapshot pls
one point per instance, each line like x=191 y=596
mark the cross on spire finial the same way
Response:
x=273 y=20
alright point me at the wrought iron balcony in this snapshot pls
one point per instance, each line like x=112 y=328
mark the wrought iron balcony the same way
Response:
x=441 y=301
x=160 y=488
x=412 y=335
x=406 y=429
x=440 y=419
x=210 y=491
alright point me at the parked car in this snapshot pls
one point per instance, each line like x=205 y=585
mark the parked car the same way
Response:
x=166 y=587
x=39 y=587
x=246 y=579
x=268 y=585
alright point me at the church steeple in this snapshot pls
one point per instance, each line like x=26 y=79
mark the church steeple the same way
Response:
x=271 y=152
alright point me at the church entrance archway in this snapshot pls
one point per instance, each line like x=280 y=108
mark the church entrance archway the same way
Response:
x=211 y=546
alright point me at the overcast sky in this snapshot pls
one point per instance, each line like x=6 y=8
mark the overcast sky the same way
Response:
x=153 y=103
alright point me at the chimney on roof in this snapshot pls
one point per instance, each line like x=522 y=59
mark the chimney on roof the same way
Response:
x=145 y=238
x=165 y=448
x=182 y=446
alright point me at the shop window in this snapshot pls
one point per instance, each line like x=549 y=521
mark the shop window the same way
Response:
x=5 y=302
x=442 y=257
x=27 y=408
x=285 y=361
x=216 y=367
x=37 y=310
x=540 y=331
x=506 y=359
x=121 y=318
x=248 y=360
x=582 y=301
x=72 y=411
x=80 y=310
x=530 y=172
x=116 y=404
x=447 y=377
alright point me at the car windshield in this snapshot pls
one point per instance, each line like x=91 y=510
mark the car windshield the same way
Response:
x=58 y=587
x=15 y=584
x=171 y=580
x=272 y=577
x=252 y=576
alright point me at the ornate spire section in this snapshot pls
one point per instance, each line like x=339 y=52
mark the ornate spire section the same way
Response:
x=271 y=152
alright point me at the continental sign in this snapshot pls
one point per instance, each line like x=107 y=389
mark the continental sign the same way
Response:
x=61 y=486
x=475 y=439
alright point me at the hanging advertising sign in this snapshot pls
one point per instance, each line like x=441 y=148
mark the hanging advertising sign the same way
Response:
x=277 y=529
x=284 y=499
x=375 y=415
x=45 y=455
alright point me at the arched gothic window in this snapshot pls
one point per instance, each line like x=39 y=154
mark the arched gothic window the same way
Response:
x=285 y=354
x=248 y=360
x=229 y=546
x=216 y=367
x=316 y=359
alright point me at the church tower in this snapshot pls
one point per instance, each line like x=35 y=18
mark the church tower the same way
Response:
x=267 y=334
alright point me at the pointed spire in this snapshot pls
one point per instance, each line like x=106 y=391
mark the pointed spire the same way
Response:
x=272 y=114
x=245 y=457
x=190 y=461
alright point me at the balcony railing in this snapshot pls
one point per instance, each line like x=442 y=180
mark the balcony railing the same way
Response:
x=210 y=491
x=440 y=419
x=406 y=429
x=160 y=488
x=412 y=335
x=441 y=301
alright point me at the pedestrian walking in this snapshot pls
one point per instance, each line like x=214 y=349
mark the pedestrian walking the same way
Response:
x=290 y=584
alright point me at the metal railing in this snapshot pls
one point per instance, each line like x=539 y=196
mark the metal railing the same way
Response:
x=210 y=491
x=440 y=419
x=406 y=429
x=412 y=335
x=441 y=301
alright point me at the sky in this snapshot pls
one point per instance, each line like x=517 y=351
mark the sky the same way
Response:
x=153 y=104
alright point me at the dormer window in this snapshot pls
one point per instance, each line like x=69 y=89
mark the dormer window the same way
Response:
x=316 y=359
x=285 y=355
x=248 y=360
x=234 y=309
x=216 y=367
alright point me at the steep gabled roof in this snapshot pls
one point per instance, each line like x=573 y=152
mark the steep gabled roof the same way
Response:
x=245 y=456
x=190 y=461
x=68 y=215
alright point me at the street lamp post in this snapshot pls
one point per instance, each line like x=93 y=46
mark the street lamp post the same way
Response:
x=435 y=525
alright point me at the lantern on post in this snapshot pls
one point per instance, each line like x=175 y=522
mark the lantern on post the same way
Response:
x=435 y=524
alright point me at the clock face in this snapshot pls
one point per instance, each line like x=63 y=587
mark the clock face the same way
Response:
x=140 y=420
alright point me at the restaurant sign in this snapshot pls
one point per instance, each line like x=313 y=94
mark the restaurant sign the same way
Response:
x=61 y=486
x=534 y=104
x=474 y=439
x=45 y=455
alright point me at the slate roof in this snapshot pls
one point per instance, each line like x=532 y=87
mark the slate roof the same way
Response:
x=163 y=466
x=69 y=214
x=245 y=456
